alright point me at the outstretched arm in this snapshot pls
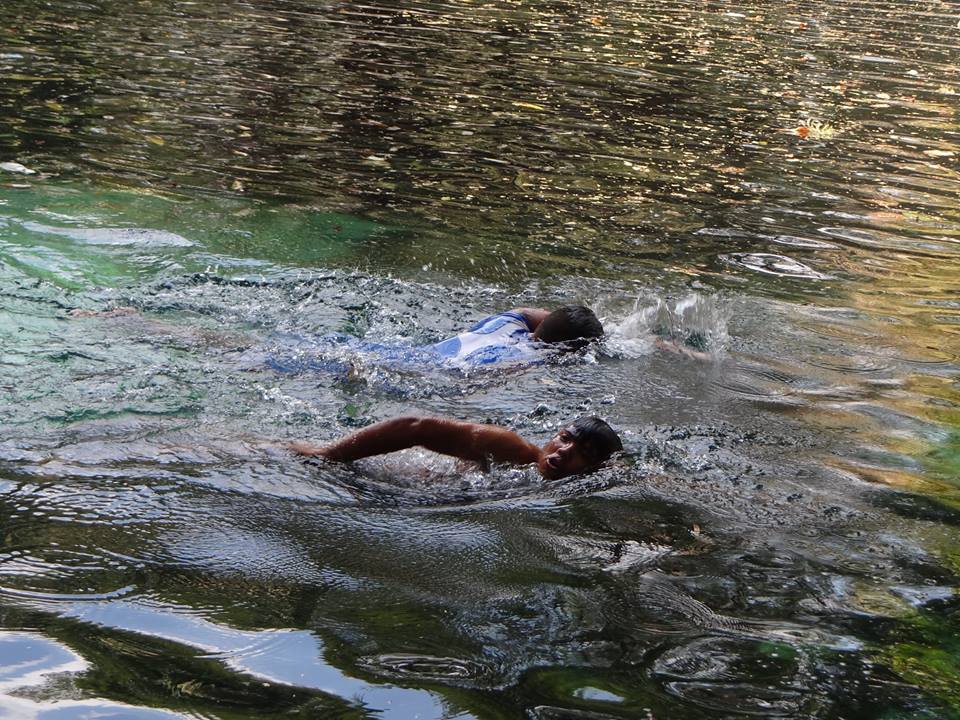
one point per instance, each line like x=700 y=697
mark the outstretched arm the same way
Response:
x=674 y=346
x=469 y=441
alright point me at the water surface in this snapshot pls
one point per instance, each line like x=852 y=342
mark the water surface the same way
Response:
x=189 y=189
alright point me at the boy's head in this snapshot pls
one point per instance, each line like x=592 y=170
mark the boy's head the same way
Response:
x=574 y=325
x=598 y=440
x=580 y=447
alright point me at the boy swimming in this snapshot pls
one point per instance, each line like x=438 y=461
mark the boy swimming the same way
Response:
x=581 y=447
x=518 y=336
x=514 y=334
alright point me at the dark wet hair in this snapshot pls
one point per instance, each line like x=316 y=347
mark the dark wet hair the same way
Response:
x=598 y=440
x=574 y=325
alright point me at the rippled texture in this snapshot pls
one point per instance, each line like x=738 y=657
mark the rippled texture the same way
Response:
x=762 y=203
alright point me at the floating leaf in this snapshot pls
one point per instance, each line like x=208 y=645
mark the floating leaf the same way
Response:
x=815 y=130
x=882 y=216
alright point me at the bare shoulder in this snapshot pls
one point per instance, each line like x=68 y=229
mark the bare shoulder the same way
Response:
x=503 y=445
x=533 y=316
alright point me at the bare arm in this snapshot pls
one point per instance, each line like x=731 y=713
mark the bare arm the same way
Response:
x=674 y=346
x=469 y=441
x=533 y=316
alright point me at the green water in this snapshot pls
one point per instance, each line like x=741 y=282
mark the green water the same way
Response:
x=216 y=188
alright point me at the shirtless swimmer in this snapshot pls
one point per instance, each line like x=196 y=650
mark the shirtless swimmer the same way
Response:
x=581 y=447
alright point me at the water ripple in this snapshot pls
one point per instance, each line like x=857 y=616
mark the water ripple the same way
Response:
x=423 y=667
x=759 y=199
x=772 y=264
x=730 y=675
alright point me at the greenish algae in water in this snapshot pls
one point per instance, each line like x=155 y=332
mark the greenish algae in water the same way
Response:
x=929 y=655
x=78 y=237
x=944 y=460
x=930 y=659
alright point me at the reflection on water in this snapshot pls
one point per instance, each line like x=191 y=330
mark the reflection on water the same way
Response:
x=541 y=138
x=760 y=202
x=31 y=660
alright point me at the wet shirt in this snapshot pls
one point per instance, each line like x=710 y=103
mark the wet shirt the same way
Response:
x=497 y=338
x=501 y=338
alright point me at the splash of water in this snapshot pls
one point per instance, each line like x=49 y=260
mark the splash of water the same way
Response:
x=694 y=323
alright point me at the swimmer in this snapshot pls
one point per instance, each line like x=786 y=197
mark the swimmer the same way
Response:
x=518 y=337
x=514 y=335
x=581 y=447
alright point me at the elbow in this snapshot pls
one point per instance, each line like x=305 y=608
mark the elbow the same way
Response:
x=413 y=428
x=408 y=422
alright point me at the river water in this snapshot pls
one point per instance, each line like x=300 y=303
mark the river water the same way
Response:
x=191 y=190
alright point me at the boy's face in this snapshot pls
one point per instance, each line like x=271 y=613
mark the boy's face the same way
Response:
x=563 y=455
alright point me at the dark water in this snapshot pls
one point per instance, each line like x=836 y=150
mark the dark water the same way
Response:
x=777 y=184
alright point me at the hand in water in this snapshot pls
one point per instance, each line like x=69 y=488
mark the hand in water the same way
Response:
x=682 y=349
x=305 y=448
